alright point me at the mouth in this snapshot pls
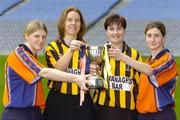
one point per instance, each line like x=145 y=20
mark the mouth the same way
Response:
x=73 y=28
x=152 y=44
x=40 y=45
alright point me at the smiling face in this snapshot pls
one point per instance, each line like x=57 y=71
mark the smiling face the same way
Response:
x=155 y=33
x=115 y=26
x=115 y=34
x=72 y=23
x=154 y=39
x=36 y=41
x=35 y=35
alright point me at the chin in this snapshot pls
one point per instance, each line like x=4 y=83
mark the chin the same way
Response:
x=38 y=49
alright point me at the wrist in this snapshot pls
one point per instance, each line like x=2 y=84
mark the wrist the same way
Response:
x=124 y=57
x=70 y=50
x=75 y=79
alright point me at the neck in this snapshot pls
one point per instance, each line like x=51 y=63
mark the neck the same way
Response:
x=155 y=52
x=30 y=48
x=117 y=46
x=68 y=39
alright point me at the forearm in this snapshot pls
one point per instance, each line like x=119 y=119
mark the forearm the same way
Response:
x=64 y=61
x=57 y=75
x=140 y=66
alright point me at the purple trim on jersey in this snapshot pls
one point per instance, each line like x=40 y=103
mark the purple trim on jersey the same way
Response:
x=27 y=60
x=16 y=86
x=167 y=65
x=163 y=96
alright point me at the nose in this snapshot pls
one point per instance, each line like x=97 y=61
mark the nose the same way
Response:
x=41 y=39
x=73 y=22
x=153 y=38
x=115 y=31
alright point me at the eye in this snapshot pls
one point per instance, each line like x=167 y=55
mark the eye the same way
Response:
x=77 y=20
x=69 y=19
x=120 y=28
x=156 y=35
x=110 y=28
x=149 y=35
x=36 y=36
x=44 y=36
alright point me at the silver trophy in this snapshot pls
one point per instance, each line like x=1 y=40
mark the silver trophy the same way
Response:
x=96 y=54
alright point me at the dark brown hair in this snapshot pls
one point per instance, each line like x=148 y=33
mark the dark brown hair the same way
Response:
x=156 y=24
x=115 y=19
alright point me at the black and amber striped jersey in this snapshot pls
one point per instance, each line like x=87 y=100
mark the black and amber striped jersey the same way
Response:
x=53 y=53
x=122 y=83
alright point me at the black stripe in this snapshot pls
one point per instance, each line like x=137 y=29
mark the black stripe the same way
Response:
x=71 y=63
x=69 y=88
x=54 y=52
x=117 y=98
x=69 y=85
x=128 y=99
x=117 y=68
x=59 y=47
x=49 y=82
x=48 y=62
x=137 y=56
x=117 y=93
x=58 y=86
x=55 y=55
x=135 y=89
x=54 y=84
x=127 y=73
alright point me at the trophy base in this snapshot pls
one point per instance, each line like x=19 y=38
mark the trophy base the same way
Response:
x=95 y=82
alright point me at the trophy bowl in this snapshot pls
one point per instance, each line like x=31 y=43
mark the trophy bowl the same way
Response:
x=96 y=54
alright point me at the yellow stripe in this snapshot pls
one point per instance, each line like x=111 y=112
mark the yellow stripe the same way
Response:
x=94 y=95
x=134 y=53
x=111 y=91
x=132 y=104
x=50 y=85
x=55 y=47
x=102 y=97
x=64 y=88
x=133 y=56
x=64 y=84
x=75 y=65
x=112 y=98
x=122 y=99
x=51 y=57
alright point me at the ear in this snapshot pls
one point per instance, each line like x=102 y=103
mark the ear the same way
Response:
x=26 y=37
x=106 y=32
x=164 y=40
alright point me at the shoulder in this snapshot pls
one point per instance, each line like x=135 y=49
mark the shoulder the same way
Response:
x=165 y=59
x=52 y=44
x=129 y=48
x=134 y=53
x=56 y=41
